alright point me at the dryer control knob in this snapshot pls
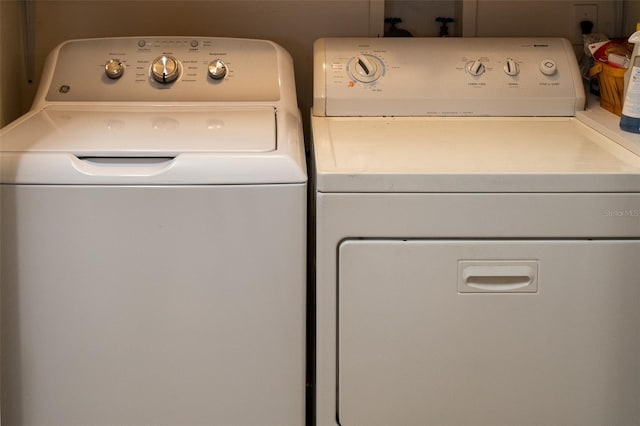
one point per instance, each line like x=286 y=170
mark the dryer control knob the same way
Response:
x=548 y=67
x=114 y=68
x=511 y=67
x=165 y=69
x=365 y=68
x=476 y=67
x=217 y=69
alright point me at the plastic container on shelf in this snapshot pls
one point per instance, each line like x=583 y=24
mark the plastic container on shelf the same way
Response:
x=611 y=80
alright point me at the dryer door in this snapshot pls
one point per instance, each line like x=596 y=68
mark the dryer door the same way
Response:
x=489 y=332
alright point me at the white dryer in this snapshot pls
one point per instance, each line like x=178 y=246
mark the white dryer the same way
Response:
x=153 y=237
x=477 y=244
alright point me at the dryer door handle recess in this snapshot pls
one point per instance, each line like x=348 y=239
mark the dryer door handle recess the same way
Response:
x=498 y=276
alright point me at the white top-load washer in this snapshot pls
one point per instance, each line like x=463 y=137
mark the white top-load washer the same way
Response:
x=153 y=237
x=478 y=245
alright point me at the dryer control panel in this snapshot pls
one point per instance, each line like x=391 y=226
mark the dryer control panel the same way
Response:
x=175 y=69
x=446 y=77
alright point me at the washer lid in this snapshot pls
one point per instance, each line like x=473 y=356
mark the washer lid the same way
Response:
x=473 y=154
x=143 y=131
x=154 y=145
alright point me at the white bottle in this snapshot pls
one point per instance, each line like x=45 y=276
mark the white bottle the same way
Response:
x=635 y=38
x=630 y=117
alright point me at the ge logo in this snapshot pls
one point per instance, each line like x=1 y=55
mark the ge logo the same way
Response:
x=64 y=89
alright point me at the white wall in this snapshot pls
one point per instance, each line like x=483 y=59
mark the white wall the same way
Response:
x=553 y=18
x=11 y=71
x=631 y=16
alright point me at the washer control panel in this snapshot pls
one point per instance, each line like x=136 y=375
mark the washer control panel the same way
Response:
x=163 y=69
x=446 y=77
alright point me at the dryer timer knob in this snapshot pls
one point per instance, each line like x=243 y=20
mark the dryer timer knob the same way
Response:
x=365 y=68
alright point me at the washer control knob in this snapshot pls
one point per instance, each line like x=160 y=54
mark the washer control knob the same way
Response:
x=476 y=67
x=365 y=68
x=511 y=67
x=114 y=68
x=548 y=67
x=217 y=69
x=165 y=69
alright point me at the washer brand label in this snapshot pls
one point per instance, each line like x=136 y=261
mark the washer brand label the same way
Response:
x=64 y=89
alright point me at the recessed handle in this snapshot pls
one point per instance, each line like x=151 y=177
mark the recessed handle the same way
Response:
x=508 y=276
x=122 y=166
x=127 y=161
